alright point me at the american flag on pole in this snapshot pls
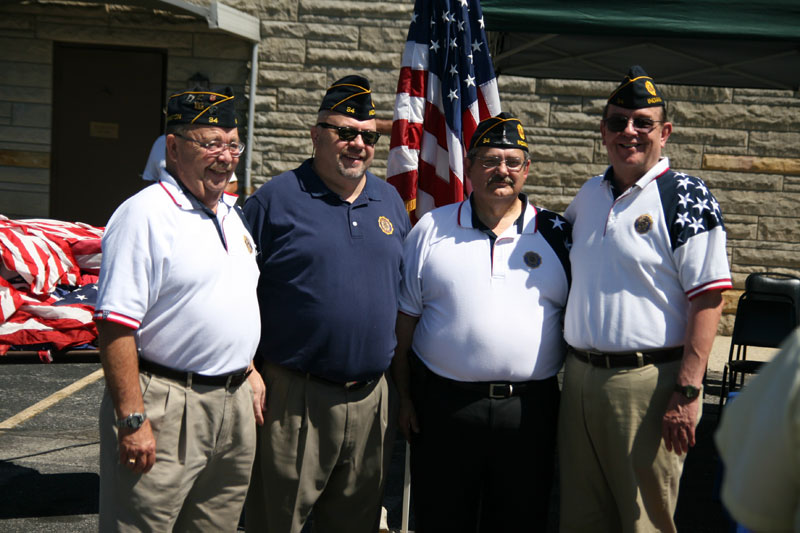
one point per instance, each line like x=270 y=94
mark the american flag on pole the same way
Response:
x=446 y=87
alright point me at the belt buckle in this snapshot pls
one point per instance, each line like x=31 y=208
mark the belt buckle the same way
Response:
x=235 y=380
x=508 y=390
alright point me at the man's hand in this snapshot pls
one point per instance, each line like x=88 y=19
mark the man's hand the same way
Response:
x=677 y=426
x=407 y=418
x=137 y=448
x=259 y=395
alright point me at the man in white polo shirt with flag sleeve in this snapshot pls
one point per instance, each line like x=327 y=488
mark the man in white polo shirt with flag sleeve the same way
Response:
x=479 y=343
x=648 y=269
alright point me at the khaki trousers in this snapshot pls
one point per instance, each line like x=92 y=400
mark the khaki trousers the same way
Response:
x=616 y=474
x=321 y=447
x=205 y=444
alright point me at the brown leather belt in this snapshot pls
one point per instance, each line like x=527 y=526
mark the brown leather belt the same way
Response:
x=229 y=381
x=628 y=359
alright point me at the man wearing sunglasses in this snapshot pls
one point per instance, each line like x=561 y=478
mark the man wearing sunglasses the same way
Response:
x=648 y=269
x=479 y=344
x=330 y=237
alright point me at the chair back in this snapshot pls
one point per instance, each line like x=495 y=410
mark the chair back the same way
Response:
x=768 y=310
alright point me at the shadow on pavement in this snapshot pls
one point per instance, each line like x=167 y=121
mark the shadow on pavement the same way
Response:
x=28 y=493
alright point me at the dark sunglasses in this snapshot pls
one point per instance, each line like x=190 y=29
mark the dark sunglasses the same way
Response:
x=618 y=123
x=346 y=133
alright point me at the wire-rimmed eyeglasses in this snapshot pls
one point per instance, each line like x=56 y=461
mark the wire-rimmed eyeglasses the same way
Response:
x=214 y=148
x=512 y=163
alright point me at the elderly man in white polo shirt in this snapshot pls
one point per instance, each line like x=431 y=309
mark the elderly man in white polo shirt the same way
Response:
x=479 y=342
x=179 y=325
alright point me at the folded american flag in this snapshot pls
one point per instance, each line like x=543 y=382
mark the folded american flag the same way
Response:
x=48 y=274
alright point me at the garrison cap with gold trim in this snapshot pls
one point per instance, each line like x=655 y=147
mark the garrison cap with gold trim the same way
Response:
x=636 y=91
x=350 y=96
x=202 y=107
x=502 y=131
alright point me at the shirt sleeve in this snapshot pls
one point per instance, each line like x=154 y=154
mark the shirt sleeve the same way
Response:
x=130 y=271
x=697 y=235
x=410 y=299
x=255 y=213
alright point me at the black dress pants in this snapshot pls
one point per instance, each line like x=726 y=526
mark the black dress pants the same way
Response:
x=481 y=464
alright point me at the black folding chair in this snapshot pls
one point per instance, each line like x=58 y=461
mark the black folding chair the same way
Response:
x=768 y=312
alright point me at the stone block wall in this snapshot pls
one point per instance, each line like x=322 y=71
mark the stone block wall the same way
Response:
x=27 y=34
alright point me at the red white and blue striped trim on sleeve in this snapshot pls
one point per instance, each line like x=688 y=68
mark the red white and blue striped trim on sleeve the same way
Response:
x=117 y=318
x=717 y=285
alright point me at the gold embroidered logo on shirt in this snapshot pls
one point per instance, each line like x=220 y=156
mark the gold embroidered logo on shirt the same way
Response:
x=247 y=243
x=385 y=225
x=643 y=224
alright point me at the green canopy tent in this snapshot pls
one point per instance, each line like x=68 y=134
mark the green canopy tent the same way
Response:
x=728 y=43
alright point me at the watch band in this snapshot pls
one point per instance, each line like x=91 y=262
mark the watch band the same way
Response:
x=133 y=421
x=690 y=392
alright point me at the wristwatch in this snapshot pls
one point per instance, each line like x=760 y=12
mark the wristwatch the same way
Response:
x=690 y=392
x=133 y=421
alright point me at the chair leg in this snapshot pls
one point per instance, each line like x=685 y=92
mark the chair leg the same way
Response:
x=722 y=387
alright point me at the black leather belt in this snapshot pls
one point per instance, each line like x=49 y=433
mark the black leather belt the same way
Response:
x=628 y=359
x=348 y=385
x=496 y=390
x=229 y=381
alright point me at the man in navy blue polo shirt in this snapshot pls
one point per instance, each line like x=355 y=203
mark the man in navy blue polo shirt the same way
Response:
x=329 y=236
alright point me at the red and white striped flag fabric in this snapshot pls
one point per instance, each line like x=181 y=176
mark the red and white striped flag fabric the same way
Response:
x=62 y=320
x=446 y=87
x=47 y=282
x=83 y=239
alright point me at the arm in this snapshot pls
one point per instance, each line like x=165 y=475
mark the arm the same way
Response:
x=120 y=361
x=681 y=417
x=259 y=393
x=401 y=372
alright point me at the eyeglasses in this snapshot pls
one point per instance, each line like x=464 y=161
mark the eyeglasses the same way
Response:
x=346 y=133
x=618 y=123
x=214 y=148
x=512 y=163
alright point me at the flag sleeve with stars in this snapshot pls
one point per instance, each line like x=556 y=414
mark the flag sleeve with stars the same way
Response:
x=446 y=87
x=558 y=233
x=696 y=231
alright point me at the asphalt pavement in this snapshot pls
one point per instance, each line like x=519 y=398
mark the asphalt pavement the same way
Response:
x=49 y=478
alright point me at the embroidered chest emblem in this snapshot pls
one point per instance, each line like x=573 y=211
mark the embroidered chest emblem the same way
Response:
x=643 y=224
x=532 y=259
x=247 y=244
x=386 y=225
